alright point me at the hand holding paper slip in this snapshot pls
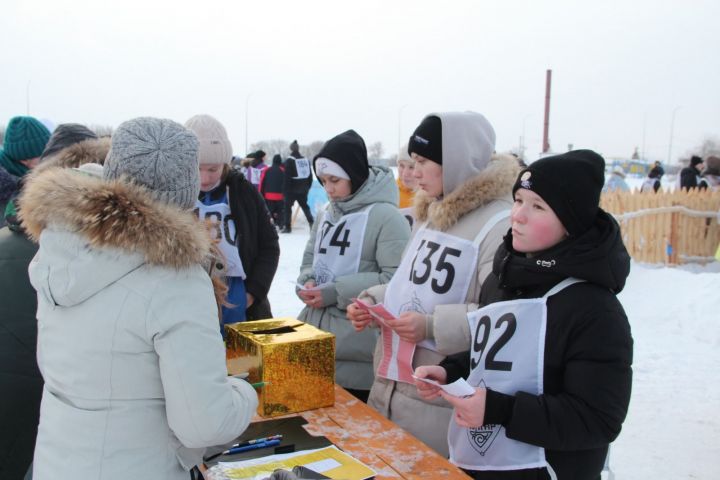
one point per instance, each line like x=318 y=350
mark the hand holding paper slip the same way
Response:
x=378 y=311
x=459 y=388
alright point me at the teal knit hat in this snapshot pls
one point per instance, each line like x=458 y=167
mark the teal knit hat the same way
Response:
x=25 y=138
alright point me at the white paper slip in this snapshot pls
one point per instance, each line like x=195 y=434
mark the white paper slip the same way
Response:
x=459 y=388
x=316 y=287
x=323 y=465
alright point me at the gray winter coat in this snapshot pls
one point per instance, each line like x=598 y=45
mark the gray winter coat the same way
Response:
x=463 y=211
x=386 y=235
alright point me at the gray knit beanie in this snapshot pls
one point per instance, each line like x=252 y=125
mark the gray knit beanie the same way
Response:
x=159 y=154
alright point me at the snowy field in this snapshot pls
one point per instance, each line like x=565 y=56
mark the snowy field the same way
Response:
x=673 y=427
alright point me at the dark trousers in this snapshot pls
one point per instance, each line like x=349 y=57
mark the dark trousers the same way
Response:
x=276 y=207
x=301 y=199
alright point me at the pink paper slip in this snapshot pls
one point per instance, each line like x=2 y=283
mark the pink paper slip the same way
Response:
x=396 y=363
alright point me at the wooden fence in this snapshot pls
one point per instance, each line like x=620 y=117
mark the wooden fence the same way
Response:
x=667 y=227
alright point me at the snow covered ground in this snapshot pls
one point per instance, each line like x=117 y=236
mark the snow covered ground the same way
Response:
x=673 y=427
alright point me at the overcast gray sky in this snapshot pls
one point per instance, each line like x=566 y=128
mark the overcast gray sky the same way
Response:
x=308 y=70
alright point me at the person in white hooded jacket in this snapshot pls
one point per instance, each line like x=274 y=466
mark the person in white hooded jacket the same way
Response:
x=461 y=211
x=128 y=339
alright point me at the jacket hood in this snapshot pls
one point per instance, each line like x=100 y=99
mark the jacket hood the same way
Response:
x=494 y=182
x=113 y=214
x=468 y=143
x=76 y=154
x=597 y=256
x=380 y=187
x=94 y=232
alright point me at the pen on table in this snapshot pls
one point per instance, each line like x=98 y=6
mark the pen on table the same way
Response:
x=254 y=446
x=258 y=440
x=249 y=445
x=270 y=438
x=259 y=384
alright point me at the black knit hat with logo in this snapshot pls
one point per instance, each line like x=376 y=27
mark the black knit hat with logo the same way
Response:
x=426 y=140
x=347 y=150
x=570 y=184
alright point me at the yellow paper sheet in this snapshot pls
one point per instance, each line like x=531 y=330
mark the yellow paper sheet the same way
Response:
x=349 y=468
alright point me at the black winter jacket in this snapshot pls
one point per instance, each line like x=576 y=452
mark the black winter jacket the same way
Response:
x=20 y=381
x=9 y=185
x=587 y=374
x=689 y=178
x=295 y=185
x=257 y=239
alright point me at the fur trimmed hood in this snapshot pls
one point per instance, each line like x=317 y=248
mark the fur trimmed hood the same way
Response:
x=86 y=151
x=114 y=215
x=494 y=182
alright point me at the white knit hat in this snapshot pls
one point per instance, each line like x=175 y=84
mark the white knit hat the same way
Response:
x=215 y=146
x=325 y=166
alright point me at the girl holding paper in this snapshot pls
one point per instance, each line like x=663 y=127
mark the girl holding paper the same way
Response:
x=462 y=209
x=551 y=353
x=356 y=242
x=241 y=224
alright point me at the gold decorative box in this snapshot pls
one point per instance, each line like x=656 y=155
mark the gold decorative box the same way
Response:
x=295 y=360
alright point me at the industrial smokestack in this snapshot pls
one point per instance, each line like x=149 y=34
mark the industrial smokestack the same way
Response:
x=546 y=126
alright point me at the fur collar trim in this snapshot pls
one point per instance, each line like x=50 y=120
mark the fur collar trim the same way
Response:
x=113 y=214
x=493 y=183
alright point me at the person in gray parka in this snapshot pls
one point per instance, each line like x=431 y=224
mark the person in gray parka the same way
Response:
x=356 y=242
x=128 y=341
x=461 y=213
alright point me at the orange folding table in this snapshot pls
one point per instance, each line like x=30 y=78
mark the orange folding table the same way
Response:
x=376 y=441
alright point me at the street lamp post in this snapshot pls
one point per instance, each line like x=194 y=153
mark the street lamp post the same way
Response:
x=521 y=147
x=247 y=103
x=642 y=155
x=27 y=98
x=672 y=128
x=400 y=110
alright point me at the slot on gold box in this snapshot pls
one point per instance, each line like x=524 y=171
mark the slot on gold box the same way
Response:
x=294 y=359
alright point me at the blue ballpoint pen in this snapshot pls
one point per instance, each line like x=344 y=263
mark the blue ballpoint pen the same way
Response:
x=254 y=446
x=258 y=440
